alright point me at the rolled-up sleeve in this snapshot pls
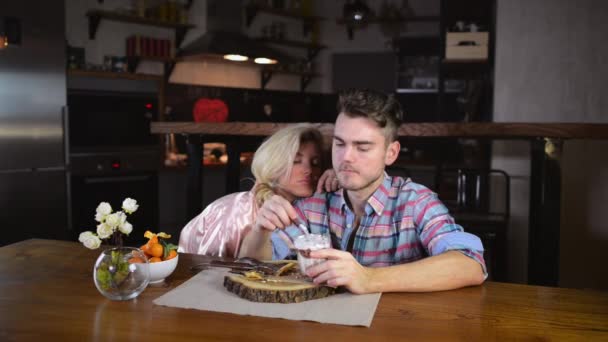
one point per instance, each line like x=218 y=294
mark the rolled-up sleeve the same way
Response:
x=280 y=249
x=439 y=233
x=282 y=239
x=282 y=242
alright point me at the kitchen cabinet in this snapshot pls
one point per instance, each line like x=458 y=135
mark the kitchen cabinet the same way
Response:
x=457 y=89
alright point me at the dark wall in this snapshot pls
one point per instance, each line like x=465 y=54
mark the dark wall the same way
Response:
x=248 y=105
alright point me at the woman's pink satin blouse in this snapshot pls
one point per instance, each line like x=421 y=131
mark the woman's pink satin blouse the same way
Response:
x=220 y=228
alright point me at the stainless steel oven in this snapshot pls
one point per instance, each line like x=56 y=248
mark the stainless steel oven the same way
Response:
x=113 y=156
x=111 y=177
x=111 y=121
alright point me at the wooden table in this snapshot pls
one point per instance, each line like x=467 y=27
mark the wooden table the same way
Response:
x=47 y=293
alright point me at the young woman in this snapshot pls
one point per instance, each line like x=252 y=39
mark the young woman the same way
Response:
x=288 y=163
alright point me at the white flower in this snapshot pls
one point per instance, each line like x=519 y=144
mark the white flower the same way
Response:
x=104 y=231
x=114 y=220
x=85 y=235
x=99 y=217
x=126 y=228
x=89 y=240
x=122 y=218
x=104 y=208
x=109 y=223
x=129 y=205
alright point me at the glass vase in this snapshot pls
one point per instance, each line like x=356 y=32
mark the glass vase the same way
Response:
x=121 y=273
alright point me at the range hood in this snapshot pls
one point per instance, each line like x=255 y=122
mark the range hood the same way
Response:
x=224 y=36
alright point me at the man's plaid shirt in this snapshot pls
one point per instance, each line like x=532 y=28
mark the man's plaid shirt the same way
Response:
x=403 y=222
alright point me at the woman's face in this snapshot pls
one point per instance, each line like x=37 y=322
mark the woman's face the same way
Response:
x=304 y=174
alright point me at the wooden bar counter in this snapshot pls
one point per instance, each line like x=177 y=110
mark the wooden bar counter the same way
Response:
x=47 y=294
x=507 y=130
x=545 y=139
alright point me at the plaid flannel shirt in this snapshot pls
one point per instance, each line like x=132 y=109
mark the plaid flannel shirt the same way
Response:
x=403 y=222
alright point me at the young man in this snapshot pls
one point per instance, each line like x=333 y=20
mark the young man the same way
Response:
x=388 y=233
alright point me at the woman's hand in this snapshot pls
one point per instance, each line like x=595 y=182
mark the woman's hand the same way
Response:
x=276 y=212
x=328 y=182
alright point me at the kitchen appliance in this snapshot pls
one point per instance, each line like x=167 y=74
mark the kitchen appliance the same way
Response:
x=102 y=120
x=33 y=155
x=223 y=35
x=113 y=155
x=111 y=177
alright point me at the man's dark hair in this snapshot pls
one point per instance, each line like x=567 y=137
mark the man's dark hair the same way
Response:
x=383 y=109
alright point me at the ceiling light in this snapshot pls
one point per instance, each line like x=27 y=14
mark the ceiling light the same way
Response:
x=236 y=58
x=357 y=11
x=264 y=60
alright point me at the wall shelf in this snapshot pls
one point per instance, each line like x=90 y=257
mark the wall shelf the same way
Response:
x=252 y=10
x=342 y=21
x=113 y=75
x=351 y=25
x=95 y=17
x=425 y=91
x=312 y=48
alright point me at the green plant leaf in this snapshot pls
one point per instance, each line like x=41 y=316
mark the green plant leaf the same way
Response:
x=120 y=276
x=104 y=278
x=168 y=247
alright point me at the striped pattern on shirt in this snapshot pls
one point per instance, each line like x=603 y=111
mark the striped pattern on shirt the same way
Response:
x=403 y=222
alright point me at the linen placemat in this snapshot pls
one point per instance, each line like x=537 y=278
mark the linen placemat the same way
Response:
x=205 y=291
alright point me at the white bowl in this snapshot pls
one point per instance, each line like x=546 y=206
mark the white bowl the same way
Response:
x=161 y=270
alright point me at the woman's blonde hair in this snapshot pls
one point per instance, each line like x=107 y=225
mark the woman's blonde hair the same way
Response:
x=274 y=158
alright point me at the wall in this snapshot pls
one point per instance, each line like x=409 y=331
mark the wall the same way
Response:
x=110 y=40
x=552 y=66
x=368 y=39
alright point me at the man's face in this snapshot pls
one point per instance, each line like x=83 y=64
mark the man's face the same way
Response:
x=360 y=153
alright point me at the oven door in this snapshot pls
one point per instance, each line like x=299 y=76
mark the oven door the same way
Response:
x=89 y=191
x=102 y=121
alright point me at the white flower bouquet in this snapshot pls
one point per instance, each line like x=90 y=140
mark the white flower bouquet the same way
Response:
x=111 y=225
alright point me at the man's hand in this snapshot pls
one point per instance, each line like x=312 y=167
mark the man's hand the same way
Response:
x=328 y=182
x=275 y=213
x=340 y=269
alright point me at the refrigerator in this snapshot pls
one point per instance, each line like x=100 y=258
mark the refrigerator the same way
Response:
x=33 y=119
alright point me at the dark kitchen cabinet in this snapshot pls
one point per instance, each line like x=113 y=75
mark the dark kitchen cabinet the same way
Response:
x=440 y=89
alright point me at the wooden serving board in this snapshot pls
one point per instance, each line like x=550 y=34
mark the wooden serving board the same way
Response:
x=275 y=289
x=273 y=282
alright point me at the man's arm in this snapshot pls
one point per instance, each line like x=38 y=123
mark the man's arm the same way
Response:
x=446 y=271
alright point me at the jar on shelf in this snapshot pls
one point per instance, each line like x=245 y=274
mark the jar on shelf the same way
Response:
x=140 y=8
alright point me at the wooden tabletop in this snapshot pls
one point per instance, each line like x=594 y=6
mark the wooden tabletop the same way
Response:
x=47 y=293
x=502 y=130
